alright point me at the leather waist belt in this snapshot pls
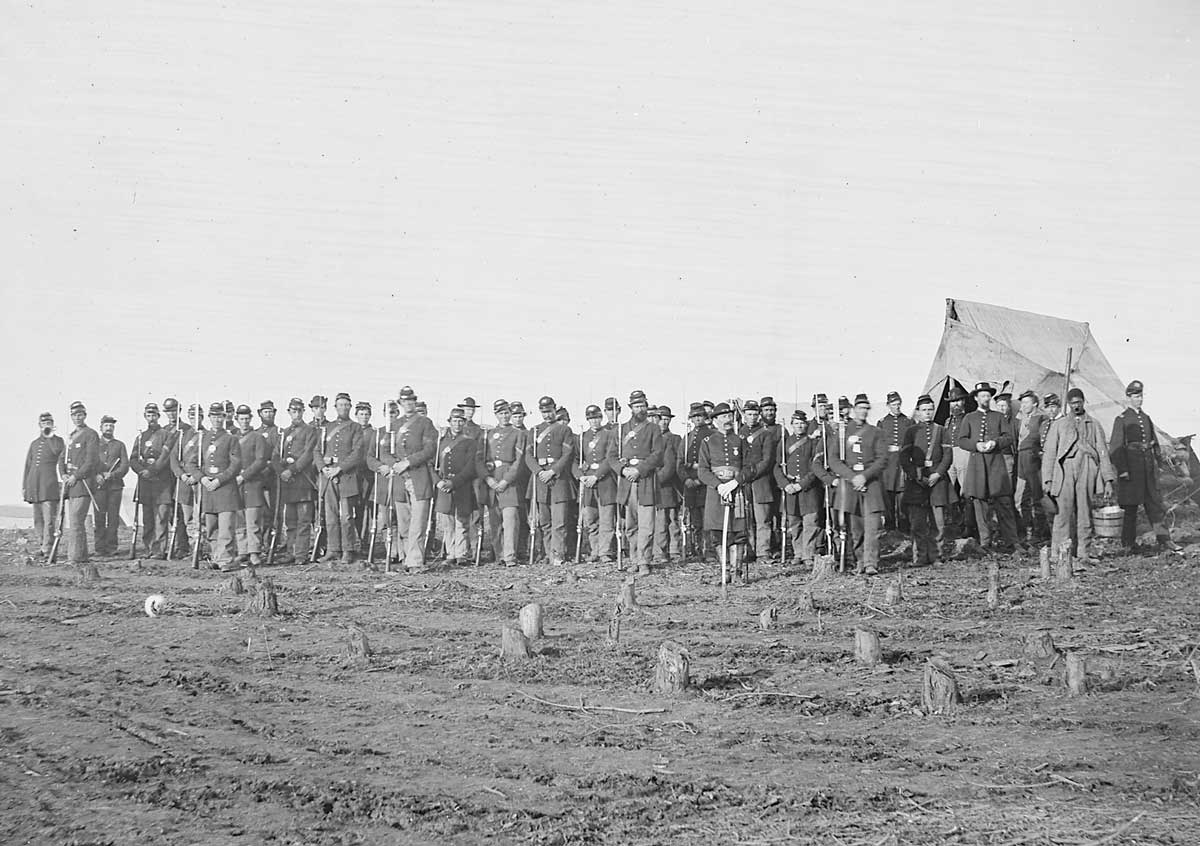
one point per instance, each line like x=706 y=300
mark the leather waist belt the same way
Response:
x=594 y=466
x=545 y=462
x=496 y=465
x=634 y=462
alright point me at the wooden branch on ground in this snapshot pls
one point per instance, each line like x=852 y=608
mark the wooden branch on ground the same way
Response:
x=583 y=706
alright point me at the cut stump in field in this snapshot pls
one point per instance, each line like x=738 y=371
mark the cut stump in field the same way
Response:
x=893 y=594
x=939 y=689
x=360 y=647
x=264 y=603
x=806 y=604
x=1065 y=564
x=235 y=585
x=866 y=647
x=513 y=643
x=993 y=590
x=673 y=673
x=1044 y=561
x=1077 y=683
x=531 y=620
x=1045 y=659
x=628 y=598
x=88 y=574
x=614 y=627
x=824 y=567
x=769 y=618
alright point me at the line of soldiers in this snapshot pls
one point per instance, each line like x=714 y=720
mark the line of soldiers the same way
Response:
x=736 y=486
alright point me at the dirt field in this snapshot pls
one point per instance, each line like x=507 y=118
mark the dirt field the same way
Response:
x=210 y=725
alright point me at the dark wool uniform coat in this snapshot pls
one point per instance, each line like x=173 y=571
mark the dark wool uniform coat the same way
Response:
x=550 y=446
x=295 y=453
x=924 y=451
x=459 y=464
x=763 y=447
x=641 y=447
x=177 y=435
x=986 y=475
x=114 y=460
x=798 y=469
x=866 y=454
x=670 y=485
x=81 y=459
x=504 y=462
x=255 y=453
x=341 y=447
x=599 y=455
x=151 y=455
x=414 y=439
x=40 y=480
x=1133 y=448
x=722 y=450
x=893 y=427
x=689 y=461
x=214 y=455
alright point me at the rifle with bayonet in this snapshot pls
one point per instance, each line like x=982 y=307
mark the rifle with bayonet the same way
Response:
x=439 y=472
x=319 y=527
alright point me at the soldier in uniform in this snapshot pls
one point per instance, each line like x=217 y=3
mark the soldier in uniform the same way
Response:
x=856 y=461
x=518 y=424
x=422 y=408
x=339 y=456
x=108 y=485
x=986 y=436
x=1032 y=426
x=270 y=482
x=407 y=461
x=503 y=460
x=960 y=458
x=639 y=455
x=893 y=425
x=213 y=461
x=694 y=491
x=752 y=433
x=925 y=457
x=39 y=483
x=1134 y=449
x=80 y=463
x=364 y=503
x=612 y=413
x=1053 y=406
x=250 y=521
x=1076 y=470
x=458 y=465
x=724 y=470
x=176 y=431
x=667 y=545
x=803 y=493
x=598 y=481
x=473 y=430
x=764 y=490
x=549 y=457
x=293 y=463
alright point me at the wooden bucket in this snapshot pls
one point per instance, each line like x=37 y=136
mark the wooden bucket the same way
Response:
x=1108 y=521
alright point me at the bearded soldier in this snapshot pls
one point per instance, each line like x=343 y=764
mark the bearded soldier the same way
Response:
x=639 y=455
x=758 y=462
x=925 y=457
x=503 y=459
x=249 y=523
x=986 y=436
x=549 y=457
x=405 y=464
x=293 y=463
x=108 y=486
x=39 y=483
x=79 y=465
x=597 y=476
x=177 y=431
x=856 y=461
x=803 y=494
x=214 y=465
x=724 y=470
x=893 y=425
x=667 y=544
x=339 y=454
x=458 y=465
x=269 y=432
x=694 y=491
x=473 y=430
x=1134 y=450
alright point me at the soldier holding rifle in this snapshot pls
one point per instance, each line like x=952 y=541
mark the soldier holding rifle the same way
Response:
x=40 y=485
x=182 y=495
x=724 y=469
x=549 y=457
x=79 y=465
x=457 y=467
x=639 y=456
x=293 y=463
x=856 y=463
x=255 y=450
x=596 y=472
x=404 y=464
x=108 y=485
x=694 y=491
x=803 y=494
x=667 y=543
x=338 y=457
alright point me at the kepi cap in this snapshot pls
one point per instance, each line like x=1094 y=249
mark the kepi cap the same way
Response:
x=318 y=401
x=296 y=402
x=77 y=406
x=244 y=409
x=216 y=408
x=407 y=393
x=592 y=412
x=108 y=418
x=362 y=405
x=547 y=404
x=266 y=405
x=468 y=402
x=636 y=397
x=1133 y=388
x=516 y=407
x=798 y=414
x=721 y=408
x=767 y=402
x=170 y=404
x=45 y=416
x=500 y=404
x=893 y=396
x=1051 y=399
x=1030 y=395
x=862 y=399
x=342 y=395
x=665 y=411
x=697 y=409
x=151 y=408
x=456 y=413
x=750 y=405
x=924 y=399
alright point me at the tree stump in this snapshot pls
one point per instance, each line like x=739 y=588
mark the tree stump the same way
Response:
x=628 y=598
x=769 y=618
x=264 y=603
x=360 y=647
x=824 y=566
x=235 y=585
x=88 y=574
x=1044 y=560
x=674 y=666
x=1077 y=684
x=513 y=643
x=806 y=605
x=866 y=647
x=1044 y=657
x=993 y=591
x=892 y=595
x=614 y=627
x=1066 y=564
x=939 y=690
x=531 y=620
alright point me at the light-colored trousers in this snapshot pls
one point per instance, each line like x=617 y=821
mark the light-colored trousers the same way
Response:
x=505 y=528
x=412 y=526
x=454 y=535
x=76 y=529
x=45 y=523
x=639 y=529
x=1073 y=522
x=803 y=531
x=600 y=529
x=666 y=534
x=221 y=540
x=250 y=523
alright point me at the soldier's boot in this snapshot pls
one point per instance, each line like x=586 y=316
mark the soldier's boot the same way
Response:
x=329 y=557
x=255 y=560
x=643 y=569
x=347 y=557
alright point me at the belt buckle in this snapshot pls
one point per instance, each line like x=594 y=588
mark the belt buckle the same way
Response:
x=633 y=462
x=594 y=467
x=858 y=468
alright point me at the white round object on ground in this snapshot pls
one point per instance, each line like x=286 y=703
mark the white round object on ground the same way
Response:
x=155 y=604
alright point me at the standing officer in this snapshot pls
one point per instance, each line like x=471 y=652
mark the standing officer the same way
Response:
x=752 y=434
x=458 y=465
x=667 y=546
x=339 y=456
x=925 y=457
x=803 y=494
x=405 y=463
x=987 y=438
x=773 y=433
x=80 y=463
x=724 y=470
x=549 y=457
x=857 y=465
x=1134 y=450
x=214 y=463
x=293 y=464
x=503 y=460
x=250 y=520
x=893 y=425
x=597 y=477
x=270 y=434
x=177 y=431
x=108 y=486
x=473 y=430
x=639 y=455
x=694 y=491
x=39 y=483
x=366 y=478
x=1031 y=430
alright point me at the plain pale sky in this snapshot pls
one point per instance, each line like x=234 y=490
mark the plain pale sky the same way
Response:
x=700 y=200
